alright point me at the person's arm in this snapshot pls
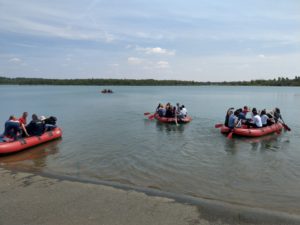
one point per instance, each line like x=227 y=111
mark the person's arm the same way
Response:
x=24 y=129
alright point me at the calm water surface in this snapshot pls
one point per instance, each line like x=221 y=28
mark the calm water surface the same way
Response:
x=107 y=137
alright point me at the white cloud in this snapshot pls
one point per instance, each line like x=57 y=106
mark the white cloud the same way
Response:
x=156 y=50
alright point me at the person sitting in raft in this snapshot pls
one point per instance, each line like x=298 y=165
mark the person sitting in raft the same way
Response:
x=277 y=115
x=169 y=110
x=36 y=127
x=265 y=120
x=160 y=110
x=11 y=129
x=233 y=119
x=183 y=112
x=228 y=113
x=23 y=121
x=256 y=120
x=245 y=110
x=178 y=108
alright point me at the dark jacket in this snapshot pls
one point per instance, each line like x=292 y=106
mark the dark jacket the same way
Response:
x=35 y=128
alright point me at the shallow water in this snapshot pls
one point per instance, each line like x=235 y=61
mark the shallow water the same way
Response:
x=107 y=137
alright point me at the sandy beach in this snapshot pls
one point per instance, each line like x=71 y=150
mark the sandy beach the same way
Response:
x=36 y=199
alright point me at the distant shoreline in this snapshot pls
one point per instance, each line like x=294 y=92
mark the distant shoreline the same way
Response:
x=280 y=81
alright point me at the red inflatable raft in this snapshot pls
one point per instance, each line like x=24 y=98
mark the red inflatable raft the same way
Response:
x=21 y=144
x=252 y=132
x=172 y=120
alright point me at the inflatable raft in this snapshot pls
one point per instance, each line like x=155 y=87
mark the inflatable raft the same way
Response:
x=172 y=120
x=21 y=144
x=252 y=132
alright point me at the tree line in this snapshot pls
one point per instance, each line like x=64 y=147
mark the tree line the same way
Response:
x=280 y=81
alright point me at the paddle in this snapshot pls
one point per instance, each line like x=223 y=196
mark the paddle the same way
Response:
x=151 y=117
x=284 y=125
x=229 y=136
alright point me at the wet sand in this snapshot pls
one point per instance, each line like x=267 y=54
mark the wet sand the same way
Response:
x=28 y=198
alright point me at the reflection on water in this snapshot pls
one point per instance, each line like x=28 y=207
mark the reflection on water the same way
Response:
x=32 y=159
x=169 y=127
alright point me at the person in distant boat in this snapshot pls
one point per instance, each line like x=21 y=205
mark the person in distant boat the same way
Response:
x=160 y=110
x=245 y=110
x=277 y=115
x=183 y=112
x=178 y=108
x=36 y=127
x=11 y=129
x=256 y=120
x=233 y=119
x=23 y=121
x=265 y=119
x=169 y=110
x=228 y=113
x=241 y=114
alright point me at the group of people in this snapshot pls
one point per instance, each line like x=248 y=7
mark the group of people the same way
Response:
x=170 y=111
x=107 y=91
x=239 y=117
x=16 y=128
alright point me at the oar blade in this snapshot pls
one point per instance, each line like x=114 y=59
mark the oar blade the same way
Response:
x=286 y=127
x=229 y=136
x=151 y=117
x=146 y=113
x=218 y=125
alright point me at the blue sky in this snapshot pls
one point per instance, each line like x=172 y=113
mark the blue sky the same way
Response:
x=201 y=40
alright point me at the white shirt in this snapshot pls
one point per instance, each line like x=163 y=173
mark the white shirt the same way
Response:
x=264 y=119
x=183 y=112
x=257 y=120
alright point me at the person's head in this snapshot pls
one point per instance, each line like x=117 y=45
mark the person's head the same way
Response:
x=183 y=106
x=277 y=110
x=34 y=117
x=263 y=112
x=177 y=104
x=254 y=111
x=25 y=114
x=240 y=110
x=236 y=112
x=12 y=117
x=246 y=108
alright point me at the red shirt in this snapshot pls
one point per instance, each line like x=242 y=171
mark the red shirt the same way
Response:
x=22 y=120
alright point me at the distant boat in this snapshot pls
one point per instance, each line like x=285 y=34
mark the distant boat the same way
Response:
x=107 y=91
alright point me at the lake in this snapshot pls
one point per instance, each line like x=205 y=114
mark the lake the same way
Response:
x=107 y=137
